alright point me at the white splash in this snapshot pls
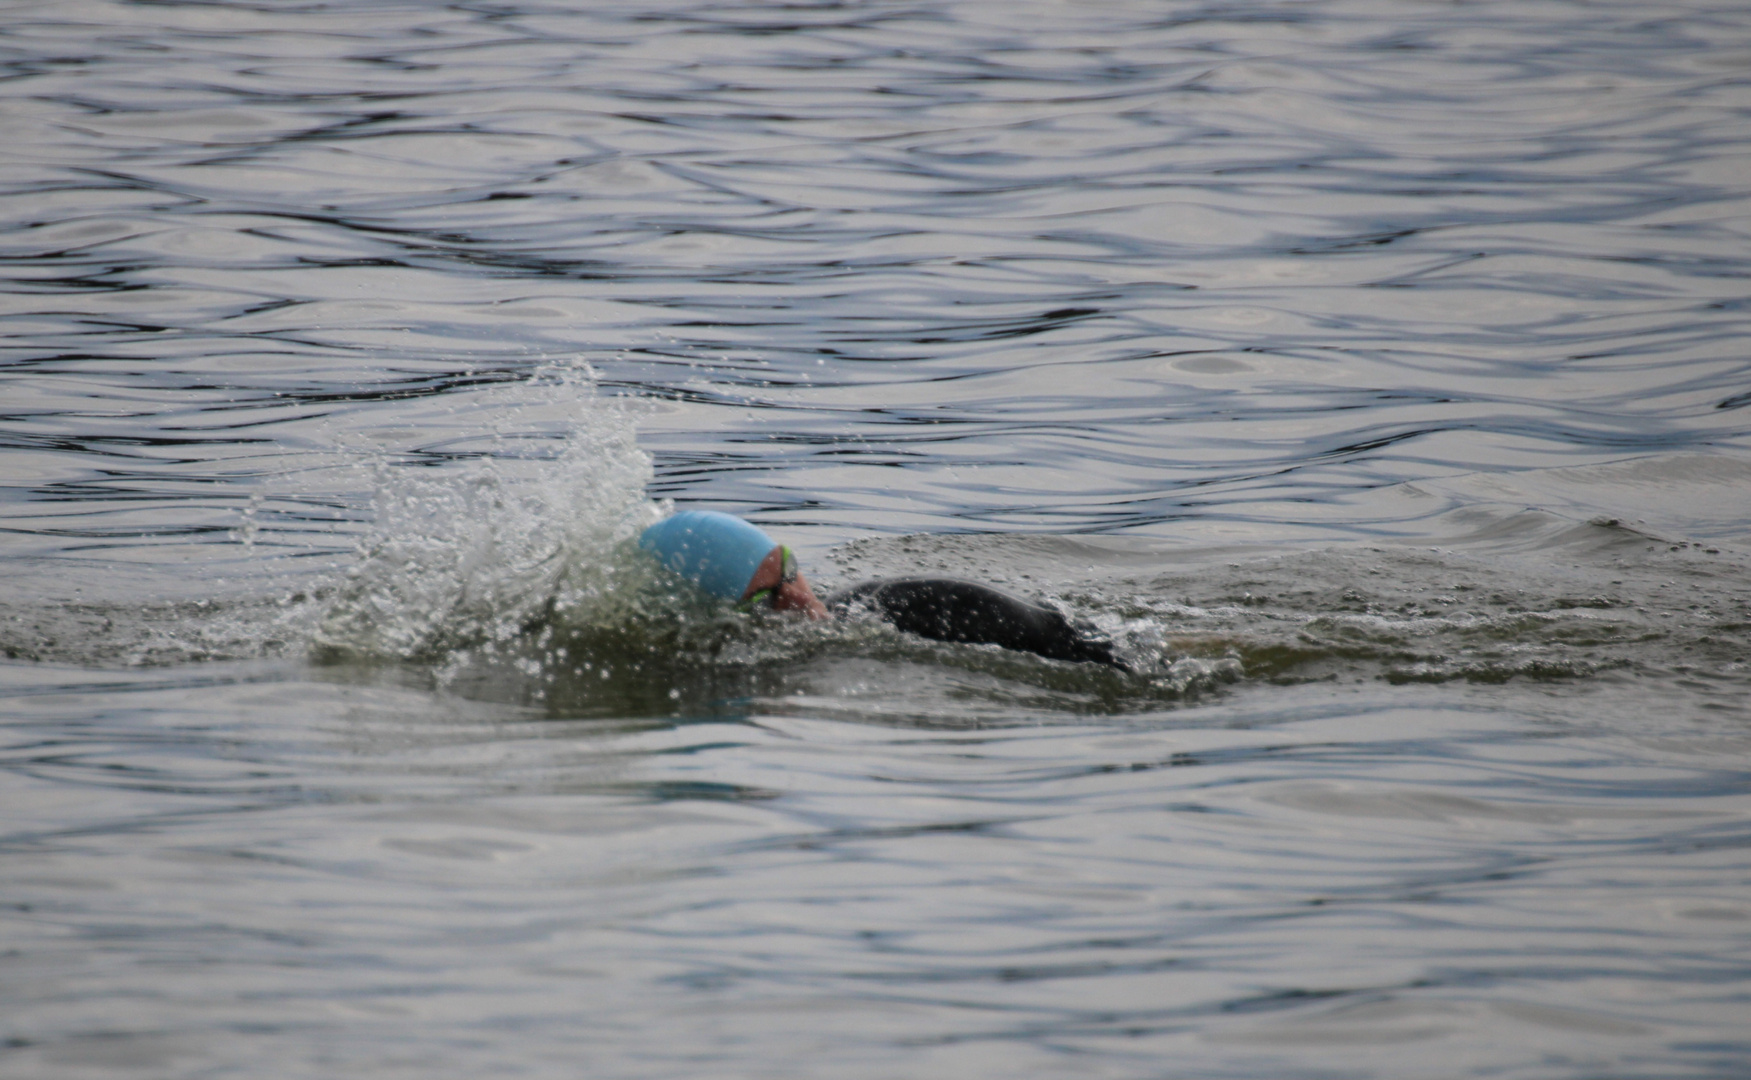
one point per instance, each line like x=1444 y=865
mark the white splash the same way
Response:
x=472 y=550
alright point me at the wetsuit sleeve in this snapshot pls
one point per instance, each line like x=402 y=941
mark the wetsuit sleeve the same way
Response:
x=948 y=610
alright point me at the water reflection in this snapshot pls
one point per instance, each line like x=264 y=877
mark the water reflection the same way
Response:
x=1354 y=875
x=1438 y=244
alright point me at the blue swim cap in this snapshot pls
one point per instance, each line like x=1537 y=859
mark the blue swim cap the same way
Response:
x=717 y=552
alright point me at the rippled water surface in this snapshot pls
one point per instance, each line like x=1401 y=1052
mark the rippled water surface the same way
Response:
x=1375 y=374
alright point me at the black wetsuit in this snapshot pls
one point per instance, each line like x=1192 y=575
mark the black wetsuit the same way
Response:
x=950 y=610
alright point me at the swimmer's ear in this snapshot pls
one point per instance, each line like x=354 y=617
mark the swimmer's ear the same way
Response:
x=787 y=575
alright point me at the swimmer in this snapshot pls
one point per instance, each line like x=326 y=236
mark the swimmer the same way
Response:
x=729 y=558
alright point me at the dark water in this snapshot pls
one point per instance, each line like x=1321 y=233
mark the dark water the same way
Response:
x=1374 y=373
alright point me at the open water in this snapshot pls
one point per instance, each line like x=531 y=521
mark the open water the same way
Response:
x=1374 y=372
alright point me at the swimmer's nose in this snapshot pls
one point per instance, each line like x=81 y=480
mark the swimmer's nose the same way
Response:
x=797 y=596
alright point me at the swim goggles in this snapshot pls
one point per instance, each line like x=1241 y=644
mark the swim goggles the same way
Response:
x=770 y=596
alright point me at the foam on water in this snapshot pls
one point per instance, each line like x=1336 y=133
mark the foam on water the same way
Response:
x=518 y=502
x=474 y=551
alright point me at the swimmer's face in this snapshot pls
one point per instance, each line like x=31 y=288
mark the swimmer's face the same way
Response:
x=792 y=595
